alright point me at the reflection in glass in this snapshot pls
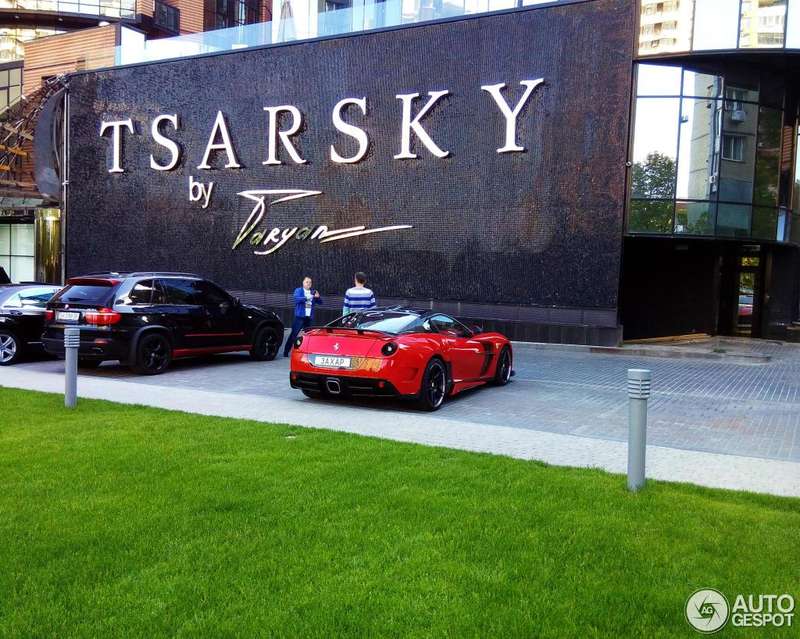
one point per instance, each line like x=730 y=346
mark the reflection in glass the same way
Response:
x=733 y=220
x=665 y=26
x=702 y=85
x=762 y=23
x=768 y=157
x=793 y=25
x=695 y=218
x=698 y=149
x=650 y=216
x=655 y=148
x=716 y=23
x=658 y=79
x=738 y=149
x=765 y=223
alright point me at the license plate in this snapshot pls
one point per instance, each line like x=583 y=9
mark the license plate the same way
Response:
x=331 y=361
x=68 y=316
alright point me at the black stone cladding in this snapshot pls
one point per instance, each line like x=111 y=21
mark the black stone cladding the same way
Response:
x=514 y=237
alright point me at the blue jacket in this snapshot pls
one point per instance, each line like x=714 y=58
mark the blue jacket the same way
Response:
x=300 y=302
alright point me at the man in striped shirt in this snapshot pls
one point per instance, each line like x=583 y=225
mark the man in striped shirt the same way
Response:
x=359 y=297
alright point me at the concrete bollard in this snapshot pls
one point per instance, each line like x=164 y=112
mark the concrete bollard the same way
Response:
x=72 y=340
x=638 y=392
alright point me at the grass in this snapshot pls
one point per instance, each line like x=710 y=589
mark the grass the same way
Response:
x=121 y=521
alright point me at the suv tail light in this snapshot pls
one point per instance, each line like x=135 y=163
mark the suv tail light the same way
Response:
x=49 y=315
x=103 y=317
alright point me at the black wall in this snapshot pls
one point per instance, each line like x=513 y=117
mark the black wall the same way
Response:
x=669 y=288
x=535 y=229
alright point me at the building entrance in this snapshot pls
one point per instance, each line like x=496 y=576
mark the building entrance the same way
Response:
x=673 y=287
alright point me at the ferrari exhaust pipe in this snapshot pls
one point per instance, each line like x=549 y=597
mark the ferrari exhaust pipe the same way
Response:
x=333 y=386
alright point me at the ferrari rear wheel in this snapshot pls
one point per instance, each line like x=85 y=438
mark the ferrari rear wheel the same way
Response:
x=503 y=371
x=434 y=386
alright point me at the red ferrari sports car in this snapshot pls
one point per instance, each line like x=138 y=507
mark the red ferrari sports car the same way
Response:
x=398 y=352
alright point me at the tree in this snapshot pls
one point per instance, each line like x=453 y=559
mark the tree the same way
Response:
x=654 y=178
x=652 y=182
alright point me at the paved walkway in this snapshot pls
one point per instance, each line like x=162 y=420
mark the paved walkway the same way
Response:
x=712 y=423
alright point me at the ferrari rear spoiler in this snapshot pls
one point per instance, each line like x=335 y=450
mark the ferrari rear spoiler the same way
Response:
x=360 y=331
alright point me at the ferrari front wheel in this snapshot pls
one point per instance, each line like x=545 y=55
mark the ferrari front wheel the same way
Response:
x=503 y=371
x=434 y=385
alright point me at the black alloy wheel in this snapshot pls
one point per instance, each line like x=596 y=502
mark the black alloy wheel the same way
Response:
x=265 y=345
x=10 y=348
x=503 y=371
x=153 y=354
x=434 y=386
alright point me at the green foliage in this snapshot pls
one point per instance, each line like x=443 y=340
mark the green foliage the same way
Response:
x=124 y=521
x=654 y=178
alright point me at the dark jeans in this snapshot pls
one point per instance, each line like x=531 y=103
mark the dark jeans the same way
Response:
x=299 y=323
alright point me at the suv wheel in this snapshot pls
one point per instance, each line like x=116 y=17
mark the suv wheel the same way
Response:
x=265 y=345
x=153 y=354
x=10 y=348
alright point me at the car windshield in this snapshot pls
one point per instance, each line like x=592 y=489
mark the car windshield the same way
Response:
x=378 y=321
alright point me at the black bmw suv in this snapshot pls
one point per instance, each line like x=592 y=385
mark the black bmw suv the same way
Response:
x=148 y=319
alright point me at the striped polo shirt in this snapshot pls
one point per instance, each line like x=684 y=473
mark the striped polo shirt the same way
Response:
x=358 y=298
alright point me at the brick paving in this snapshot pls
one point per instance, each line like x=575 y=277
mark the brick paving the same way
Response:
x=574 y=401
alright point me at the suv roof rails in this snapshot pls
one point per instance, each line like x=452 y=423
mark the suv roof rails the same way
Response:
x=123 y=274
x=163 y=273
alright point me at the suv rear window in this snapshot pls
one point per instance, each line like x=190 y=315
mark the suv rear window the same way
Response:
x=84 y=294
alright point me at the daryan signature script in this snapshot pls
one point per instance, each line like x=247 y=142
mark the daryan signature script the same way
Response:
x=268 y=240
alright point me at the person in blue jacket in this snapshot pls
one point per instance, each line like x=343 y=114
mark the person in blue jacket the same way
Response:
x=305 y=299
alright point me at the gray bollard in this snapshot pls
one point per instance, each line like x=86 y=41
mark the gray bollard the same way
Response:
x=638 y=392
x=72 y=340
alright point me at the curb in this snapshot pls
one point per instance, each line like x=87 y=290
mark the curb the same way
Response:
x=666 y=353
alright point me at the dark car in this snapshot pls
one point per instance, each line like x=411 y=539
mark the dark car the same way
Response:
x=22 y=312
x=148 y=319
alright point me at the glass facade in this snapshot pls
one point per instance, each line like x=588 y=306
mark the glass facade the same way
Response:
x=708 y=155
x=677 y=26
x=17 y=251
x=304 y=19
x=111 y=8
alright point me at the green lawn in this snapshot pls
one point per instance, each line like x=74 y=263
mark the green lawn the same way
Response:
x=128 y=521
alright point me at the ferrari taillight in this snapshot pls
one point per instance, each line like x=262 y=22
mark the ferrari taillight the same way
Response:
x=389 y=348
x=103 y=317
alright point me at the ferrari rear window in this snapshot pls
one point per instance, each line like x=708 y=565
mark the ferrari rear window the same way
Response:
x=385 y=322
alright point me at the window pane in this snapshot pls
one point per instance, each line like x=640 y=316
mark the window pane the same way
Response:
x=702 y=85
x=650 y=216
x=3 y=78
x=738 y=157
x=768 y=157
x=765 y=223
x=716 y=23
x=22 y=239
x=5 y=239
x=15 y=76
x=655 y=147
x=699 y=144
x=733 y=220
x=762 y=23
x=657 y=79
x=793 y=25
x=695 y=218
x=21 y=269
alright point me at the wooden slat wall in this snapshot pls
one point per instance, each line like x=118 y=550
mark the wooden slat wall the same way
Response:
x=86 y=49
x=191 y=14
x=145 y=7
